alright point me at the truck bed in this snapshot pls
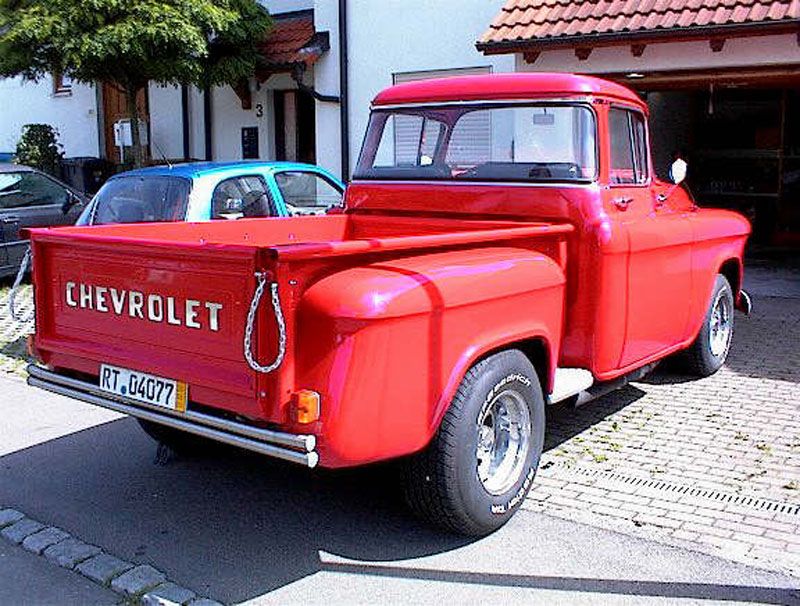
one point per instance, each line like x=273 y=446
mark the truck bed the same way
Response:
x=310 y=236
x=172 y=299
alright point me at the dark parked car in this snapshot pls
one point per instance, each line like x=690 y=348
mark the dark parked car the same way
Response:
x=30 y=198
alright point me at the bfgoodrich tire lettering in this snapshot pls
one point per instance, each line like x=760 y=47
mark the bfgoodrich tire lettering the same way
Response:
x=447 y=483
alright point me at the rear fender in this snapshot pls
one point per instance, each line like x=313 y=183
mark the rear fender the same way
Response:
x=386 y=345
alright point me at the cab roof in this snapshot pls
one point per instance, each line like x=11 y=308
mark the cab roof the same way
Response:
x=500 y=87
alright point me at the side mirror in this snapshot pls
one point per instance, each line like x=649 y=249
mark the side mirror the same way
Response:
x=677 y=172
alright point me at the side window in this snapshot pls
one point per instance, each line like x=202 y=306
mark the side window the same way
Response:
x=24 y=190
x=307 y=192
x=628 y=147
x=240 y=197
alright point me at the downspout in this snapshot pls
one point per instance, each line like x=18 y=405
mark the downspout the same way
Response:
x=207 y=121
x=185 y=120
x=344 y=125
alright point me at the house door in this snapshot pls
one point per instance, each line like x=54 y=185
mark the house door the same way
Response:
x=115 y=108
x=295 y=126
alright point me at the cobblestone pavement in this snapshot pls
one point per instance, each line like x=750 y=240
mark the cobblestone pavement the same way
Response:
x=13 y=354
x=712 y=462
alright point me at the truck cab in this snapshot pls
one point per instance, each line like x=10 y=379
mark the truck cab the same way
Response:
x=504 y=246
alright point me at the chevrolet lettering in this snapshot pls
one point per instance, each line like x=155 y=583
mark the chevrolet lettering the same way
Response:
x=475 y=277
x=145 y=306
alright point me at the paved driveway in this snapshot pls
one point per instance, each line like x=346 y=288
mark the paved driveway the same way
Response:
x=712 y=462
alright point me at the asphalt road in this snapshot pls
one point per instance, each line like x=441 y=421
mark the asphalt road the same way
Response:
x=239 y=528
x=27 y=579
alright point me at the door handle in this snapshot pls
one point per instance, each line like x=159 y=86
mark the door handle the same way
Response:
x=623 y=202
x=9 y=219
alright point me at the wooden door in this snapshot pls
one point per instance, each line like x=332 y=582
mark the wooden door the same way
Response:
x=115 y=108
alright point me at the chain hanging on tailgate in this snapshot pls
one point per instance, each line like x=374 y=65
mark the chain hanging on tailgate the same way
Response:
x=251 y=318
x=12 y=307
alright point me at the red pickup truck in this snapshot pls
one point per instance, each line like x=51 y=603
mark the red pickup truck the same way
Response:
x=505 y=245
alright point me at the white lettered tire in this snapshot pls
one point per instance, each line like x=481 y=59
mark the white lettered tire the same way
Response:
x=480 y=465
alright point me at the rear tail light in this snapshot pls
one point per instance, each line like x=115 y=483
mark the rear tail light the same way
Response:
x=306 y=406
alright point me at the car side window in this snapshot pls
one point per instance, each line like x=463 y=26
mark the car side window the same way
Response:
x=307 y=192
x=628 y=147
x=239 y=197
x=25 y=190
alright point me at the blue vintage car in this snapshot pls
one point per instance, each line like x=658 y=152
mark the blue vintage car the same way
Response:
x=203 y=191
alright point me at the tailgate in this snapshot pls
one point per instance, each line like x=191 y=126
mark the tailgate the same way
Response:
x=178 y=312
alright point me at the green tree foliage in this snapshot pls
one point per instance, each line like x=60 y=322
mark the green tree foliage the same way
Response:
x=132 y=42
x=38 y=147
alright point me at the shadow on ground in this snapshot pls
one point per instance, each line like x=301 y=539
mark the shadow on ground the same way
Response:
x=234 y=526
x=564 y=421
x=237 y=526
x=17 y=350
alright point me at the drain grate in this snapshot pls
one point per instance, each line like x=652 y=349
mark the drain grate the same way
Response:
x=609 y=477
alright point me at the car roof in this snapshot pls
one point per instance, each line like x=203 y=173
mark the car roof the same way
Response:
x=507 y=86
x=192 y=170
x=8 y=167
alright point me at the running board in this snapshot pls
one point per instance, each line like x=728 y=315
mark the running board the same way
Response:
x=570 y=382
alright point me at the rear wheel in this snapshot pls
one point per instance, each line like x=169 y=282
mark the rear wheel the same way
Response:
x=710 y=350
x=180 y=442
x=480 y=465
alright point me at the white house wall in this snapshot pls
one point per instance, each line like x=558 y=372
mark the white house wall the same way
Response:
x=390 y=37
x=166 y=124
x=286 y=6
x=737 y=52
x=326 y=82
x=73 y=115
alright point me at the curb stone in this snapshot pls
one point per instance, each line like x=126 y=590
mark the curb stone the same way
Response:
x=43 y=539
x=17 y=532
x=142 y=585
x=102 y=568
x=9 y=516
x=138 y=580
x=70 y=552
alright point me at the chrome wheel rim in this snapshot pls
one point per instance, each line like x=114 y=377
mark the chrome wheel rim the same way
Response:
x=504 y=435
x=721 y=325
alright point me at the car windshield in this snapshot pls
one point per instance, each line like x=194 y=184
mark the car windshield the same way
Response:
x=141 y=199
x=537 y=142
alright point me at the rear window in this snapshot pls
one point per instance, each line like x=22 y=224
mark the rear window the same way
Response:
x=141 y=199
x=537 y=142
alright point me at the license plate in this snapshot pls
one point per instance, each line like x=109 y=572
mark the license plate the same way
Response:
x=143 y=387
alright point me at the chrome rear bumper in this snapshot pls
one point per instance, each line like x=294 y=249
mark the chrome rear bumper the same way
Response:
x=289 y=447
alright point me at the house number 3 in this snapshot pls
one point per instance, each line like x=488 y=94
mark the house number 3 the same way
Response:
x=259 y=110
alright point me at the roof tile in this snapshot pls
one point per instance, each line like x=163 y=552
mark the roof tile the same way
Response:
x=287 y=41
x=550 y=19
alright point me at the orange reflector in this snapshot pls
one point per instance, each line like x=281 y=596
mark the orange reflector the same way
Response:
x=306 y=406
x=32 y=348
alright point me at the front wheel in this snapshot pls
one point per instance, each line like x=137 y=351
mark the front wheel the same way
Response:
x=710 y=350
x=480 y=465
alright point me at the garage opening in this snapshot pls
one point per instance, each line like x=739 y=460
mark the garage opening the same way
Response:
x=742 y=143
